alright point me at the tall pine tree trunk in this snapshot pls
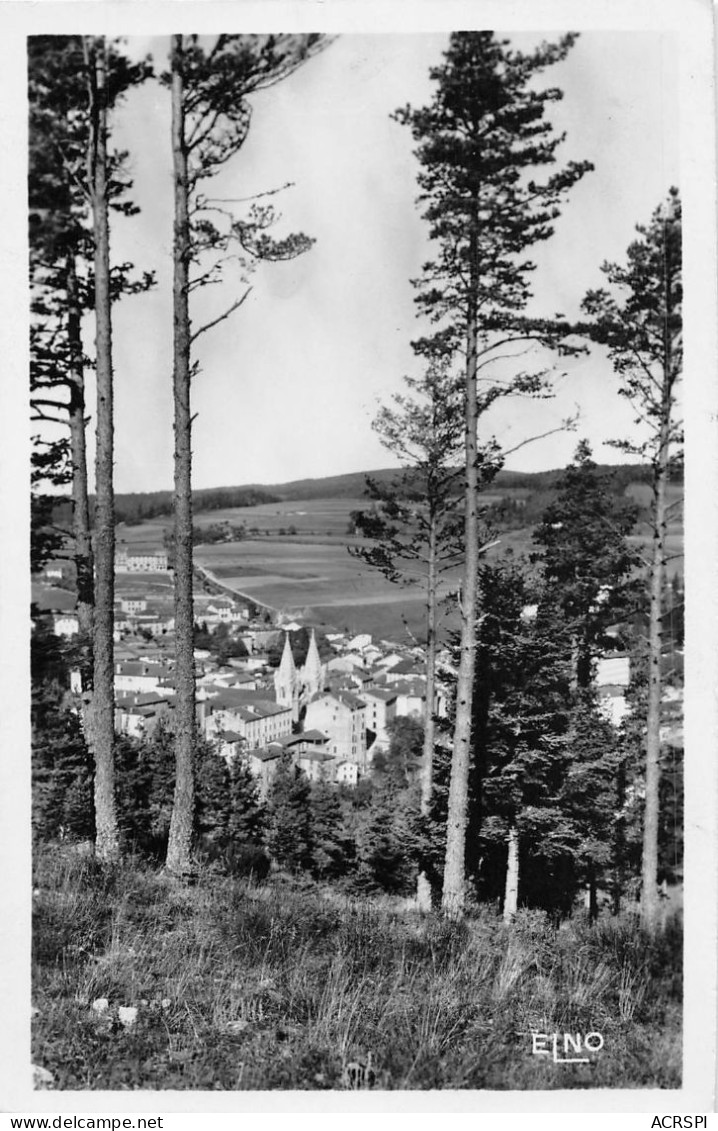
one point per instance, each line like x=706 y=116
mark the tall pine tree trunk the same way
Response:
x=649 y=863
x=592 y=894
x=182 y=821
x=81 y=534
x=511 y=892
x=454 y=865
x=101 y=729
x=423 y=886
x=619 y=841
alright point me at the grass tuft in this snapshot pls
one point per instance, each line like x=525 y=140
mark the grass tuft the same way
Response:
x=240 y=987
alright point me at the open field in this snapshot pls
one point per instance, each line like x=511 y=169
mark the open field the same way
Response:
x=310 y=572
x=140 y=982
x=319 y=579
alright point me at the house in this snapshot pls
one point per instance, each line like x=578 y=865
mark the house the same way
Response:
x=229 y=744
x=65 y=624
x=256 y=719
x=133 y=604
x=351 y=662
x=613 y=669
x=317 y=765
x=410 y=696
x=138 y=675
x=306 y=740
x=263 y=765
x=359 y=643
x=406 y=669
x=309 y=751
x=381 y=705
x=140 y=560
x=346 y=773
x=341 y=716
x=389 y=661
x=225 y=678
x=138 y=715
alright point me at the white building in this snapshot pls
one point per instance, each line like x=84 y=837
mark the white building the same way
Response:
x=140 y=561
x=613 y=671
x=65 y=624
x=381 y=708
x=139 y=675
x=341 y=716
x=346 y=773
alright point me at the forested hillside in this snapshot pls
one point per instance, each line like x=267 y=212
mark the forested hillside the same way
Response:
x=519 y=492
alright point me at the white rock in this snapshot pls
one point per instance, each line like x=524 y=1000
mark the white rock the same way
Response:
x=236 y=1026
x=41 y=1078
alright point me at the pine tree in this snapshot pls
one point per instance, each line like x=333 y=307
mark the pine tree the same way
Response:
x=214 y=801
x=333 y=850
x=522 y=708
x=247 y=816
x=211 y=116
x=638 y=318
x=385 y=852
x=587 y=563
x=413 y=525
x=289 y=832
x=74 y=181
x=62 y=796
x=61 y=273
x=480 y=142
x=590 y=794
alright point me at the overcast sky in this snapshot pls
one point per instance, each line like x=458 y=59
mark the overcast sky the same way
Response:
x=291 y=382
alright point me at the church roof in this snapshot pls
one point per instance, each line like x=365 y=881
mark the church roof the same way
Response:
x=287 y=668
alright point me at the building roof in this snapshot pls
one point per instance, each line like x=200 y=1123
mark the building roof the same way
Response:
x=228 y=697
x=415 y=687
x=315 y=756
x=384 y=693
x=408 y=667
x=306 y=736
x=248 y=707
x=350 y=700
x=139 y=667
x=265 y=755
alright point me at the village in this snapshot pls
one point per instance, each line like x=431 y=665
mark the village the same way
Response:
x=330 y=716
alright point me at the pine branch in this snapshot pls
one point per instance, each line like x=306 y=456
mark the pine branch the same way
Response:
x=222 y=317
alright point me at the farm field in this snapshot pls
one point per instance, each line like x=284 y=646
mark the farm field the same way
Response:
x=319 y=580
x=310 y=573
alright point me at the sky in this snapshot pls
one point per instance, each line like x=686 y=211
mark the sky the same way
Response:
x=290 y=384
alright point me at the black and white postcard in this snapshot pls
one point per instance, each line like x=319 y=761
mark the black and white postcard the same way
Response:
x=360 y=458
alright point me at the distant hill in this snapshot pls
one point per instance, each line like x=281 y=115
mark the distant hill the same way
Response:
x=134 y=507
x=351 y=486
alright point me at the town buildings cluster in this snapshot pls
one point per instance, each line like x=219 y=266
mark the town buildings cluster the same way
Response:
x=330 y=716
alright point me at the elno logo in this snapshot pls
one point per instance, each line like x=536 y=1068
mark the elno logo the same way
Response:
x=567 y=1048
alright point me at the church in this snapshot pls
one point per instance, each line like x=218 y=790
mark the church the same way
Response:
x=293 y=686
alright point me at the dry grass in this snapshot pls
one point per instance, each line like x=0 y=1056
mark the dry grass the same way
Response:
x=239 y=987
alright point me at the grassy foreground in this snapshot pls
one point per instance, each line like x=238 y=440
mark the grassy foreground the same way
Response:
x=229 y=986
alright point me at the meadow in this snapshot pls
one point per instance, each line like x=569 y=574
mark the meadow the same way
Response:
x=310 y=573
x=140 y=982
